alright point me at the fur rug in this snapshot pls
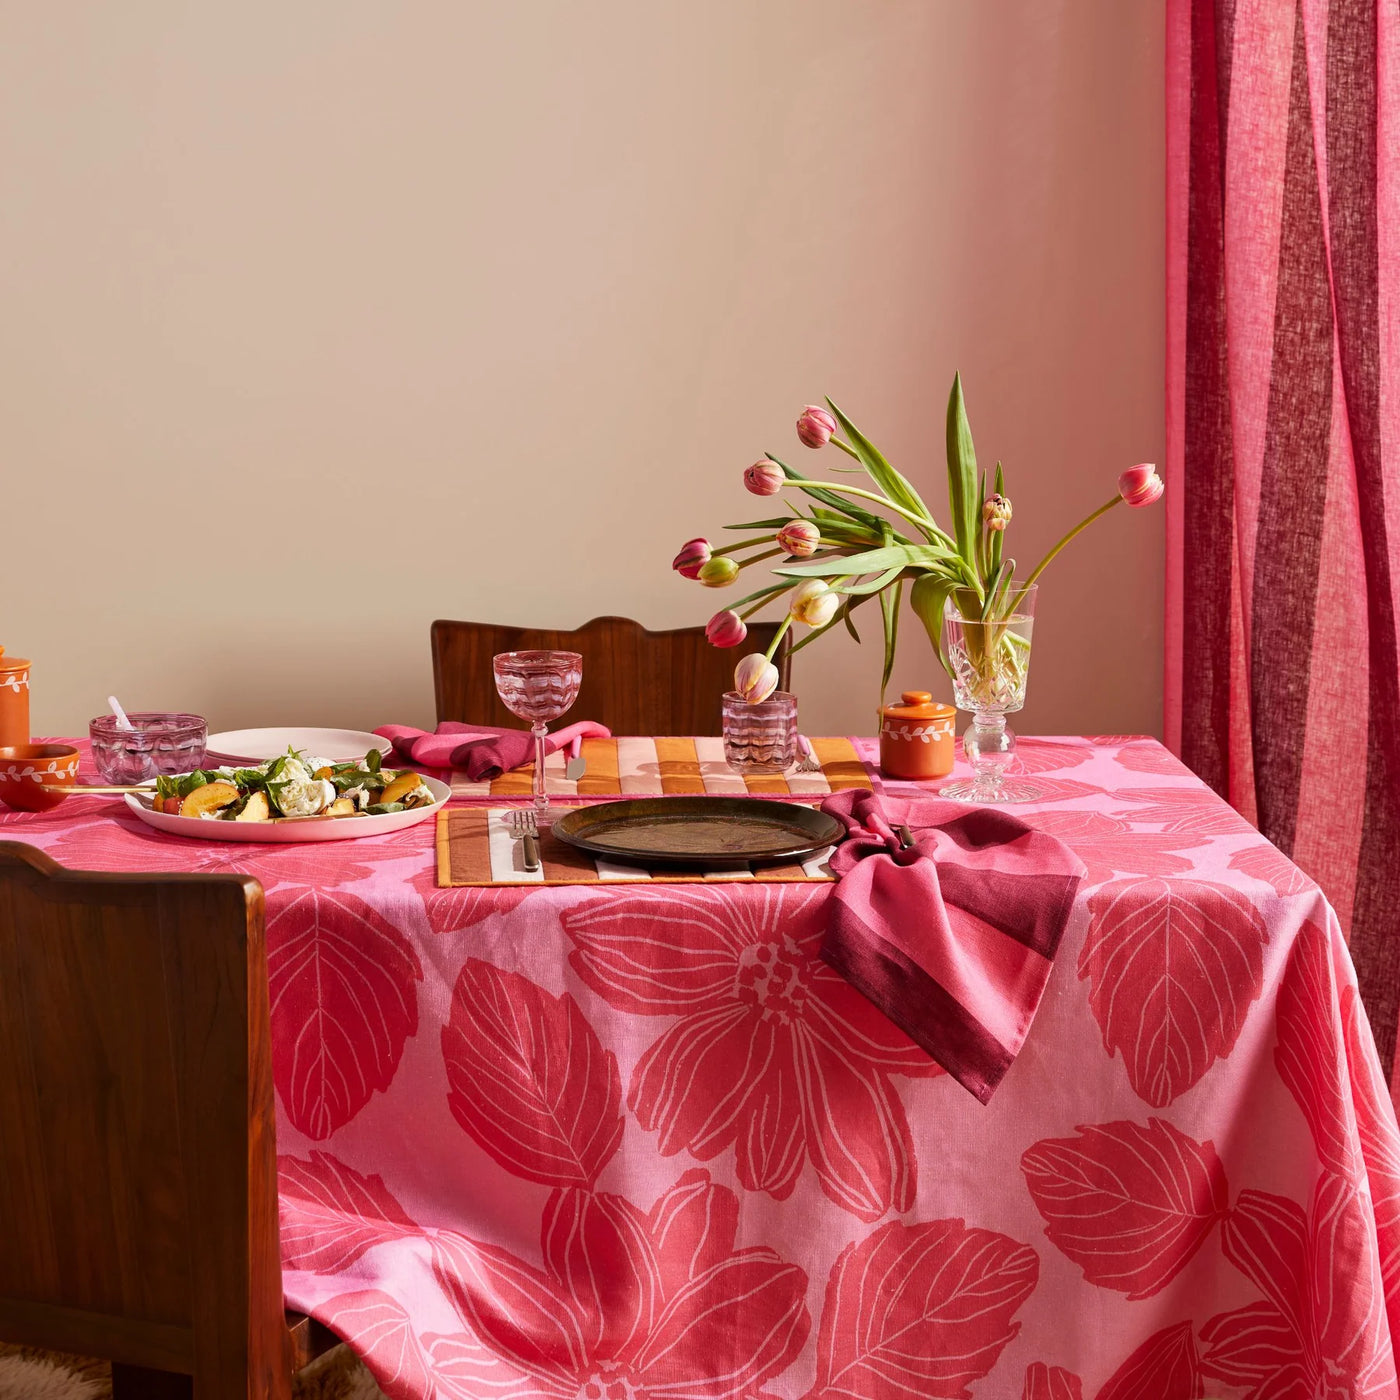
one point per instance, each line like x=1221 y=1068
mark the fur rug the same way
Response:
x=27 y=1374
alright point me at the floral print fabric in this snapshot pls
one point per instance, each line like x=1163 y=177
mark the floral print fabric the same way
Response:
x=627 y=1144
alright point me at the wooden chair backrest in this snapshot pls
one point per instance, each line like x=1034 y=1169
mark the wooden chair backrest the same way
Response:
x=634 y=681
x=138 y=1186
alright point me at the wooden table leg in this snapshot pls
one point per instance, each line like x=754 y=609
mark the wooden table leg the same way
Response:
x=137 y=1383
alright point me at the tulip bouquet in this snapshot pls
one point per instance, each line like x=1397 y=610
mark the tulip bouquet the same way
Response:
x=845 y=544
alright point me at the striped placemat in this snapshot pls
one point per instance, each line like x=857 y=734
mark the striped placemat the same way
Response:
x=623 y=767
x=475 y=847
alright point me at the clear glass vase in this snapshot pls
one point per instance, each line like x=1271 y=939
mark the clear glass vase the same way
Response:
x=990 y=660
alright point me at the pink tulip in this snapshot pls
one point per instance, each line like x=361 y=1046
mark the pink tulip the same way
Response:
x=694 y=554
x=755 y=678
x=1140 y=485
x=726 y=629
x=996 y=512
x=799 y=538
x=814 y=603
x=765 y=478
x=718 y=572
x=815 y=427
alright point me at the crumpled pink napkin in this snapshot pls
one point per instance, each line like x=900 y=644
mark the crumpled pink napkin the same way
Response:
x=481 y=750
x=953 y=937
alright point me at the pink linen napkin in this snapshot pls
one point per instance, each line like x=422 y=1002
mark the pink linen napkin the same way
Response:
x=954 y=937
x=483 y=751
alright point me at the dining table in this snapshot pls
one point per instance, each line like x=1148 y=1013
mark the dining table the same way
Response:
x=630 y=1140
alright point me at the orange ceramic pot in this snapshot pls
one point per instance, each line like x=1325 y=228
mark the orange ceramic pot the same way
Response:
x=916 y=738
x=14 y=700
x=30 y=772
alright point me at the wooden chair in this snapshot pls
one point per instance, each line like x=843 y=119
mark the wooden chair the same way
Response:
x=138 y=1161
x=634 y=681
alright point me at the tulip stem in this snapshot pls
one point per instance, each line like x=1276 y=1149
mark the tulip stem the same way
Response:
x=847 y=449
x=747 y=544
x=1083 y=524
x=922 y=521
x=758 y=558
x=763 y=602
x=777 y=637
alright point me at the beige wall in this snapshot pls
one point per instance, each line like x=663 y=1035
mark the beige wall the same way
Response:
x=321 y=320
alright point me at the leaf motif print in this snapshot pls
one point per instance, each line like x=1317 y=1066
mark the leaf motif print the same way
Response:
x=528 y=1079
x=1320 y=1328
x=1108 y=844
x=1129 y=1205
x=1065 y=789
x=451 y=910
x=1308 y=1052
x=344 y=988
x=1164 y=1367
x=1270 y=866
x=1191 y=808
x=1045 y=755
x=1148 y=756
x=124 y=842
x=331 y=1214
x=1051 y=1383
x=385 y=1339
x=1380 y=1143
x=918 y=1311
x=1173 y=967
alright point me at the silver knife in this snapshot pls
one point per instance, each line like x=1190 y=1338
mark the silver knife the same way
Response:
x=576 y=766
x=530 y=849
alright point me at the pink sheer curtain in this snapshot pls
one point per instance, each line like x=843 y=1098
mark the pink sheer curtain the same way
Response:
x=1283 y=686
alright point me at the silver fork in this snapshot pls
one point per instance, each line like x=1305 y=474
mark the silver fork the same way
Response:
x=809 y=763
x=522 y=825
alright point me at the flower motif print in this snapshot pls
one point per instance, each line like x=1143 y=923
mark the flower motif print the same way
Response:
x=771 y=1053
x=630 y=1305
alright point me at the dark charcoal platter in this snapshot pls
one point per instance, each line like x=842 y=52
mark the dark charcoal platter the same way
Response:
x=700 y=833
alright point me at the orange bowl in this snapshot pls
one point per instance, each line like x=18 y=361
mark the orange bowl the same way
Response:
x=30 y=772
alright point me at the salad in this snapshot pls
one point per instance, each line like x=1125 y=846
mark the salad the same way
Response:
x=294 y=785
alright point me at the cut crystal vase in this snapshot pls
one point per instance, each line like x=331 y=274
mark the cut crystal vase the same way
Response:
x=990 y=661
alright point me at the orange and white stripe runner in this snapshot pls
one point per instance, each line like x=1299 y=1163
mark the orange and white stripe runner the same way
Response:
x=626 y=767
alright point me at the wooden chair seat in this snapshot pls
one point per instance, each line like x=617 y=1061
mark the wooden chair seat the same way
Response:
x=634 y=681
x=138 y=1160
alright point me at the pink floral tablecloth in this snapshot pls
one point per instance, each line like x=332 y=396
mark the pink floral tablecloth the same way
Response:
x=641 y=1144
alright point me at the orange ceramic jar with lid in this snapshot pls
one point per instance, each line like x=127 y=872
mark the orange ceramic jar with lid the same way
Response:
x=14 y=700
x=916 y=737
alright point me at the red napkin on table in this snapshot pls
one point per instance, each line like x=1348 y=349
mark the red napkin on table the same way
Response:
x=952 y=938
x=482 y=751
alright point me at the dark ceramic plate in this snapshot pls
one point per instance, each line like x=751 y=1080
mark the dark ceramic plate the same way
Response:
x=700 y=833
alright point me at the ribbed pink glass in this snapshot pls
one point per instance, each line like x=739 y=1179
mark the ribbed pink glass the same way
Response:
x=759 y=738
x=538 y=686
x=161 y=742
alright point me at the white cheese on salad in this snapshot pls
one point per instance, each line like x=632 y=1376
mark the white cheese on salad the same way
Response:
x=305 y=797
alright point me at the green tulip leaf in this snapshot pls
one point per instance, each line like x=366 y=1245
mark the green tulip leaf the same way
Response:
x=962 y=475
x=900 y=556
x=889 y=614
x=830 y=498
x=874 y=585
x=927 y=597
x=893 y=483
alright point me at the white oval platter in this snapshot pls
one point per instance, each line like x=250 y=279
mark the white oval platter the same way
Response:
x=251 y=746
x=301 y=829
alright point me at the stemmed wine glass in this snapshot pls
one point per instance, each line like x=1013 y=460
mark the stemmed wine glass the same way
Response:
x=538 y=686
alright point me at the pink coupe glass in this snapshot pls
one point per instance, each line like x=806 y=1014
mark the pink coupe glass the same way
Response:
x=538 y=686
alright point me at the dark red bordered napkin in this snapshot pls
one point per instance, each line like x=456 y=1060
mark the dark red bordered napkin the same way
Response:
x=952 y=938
